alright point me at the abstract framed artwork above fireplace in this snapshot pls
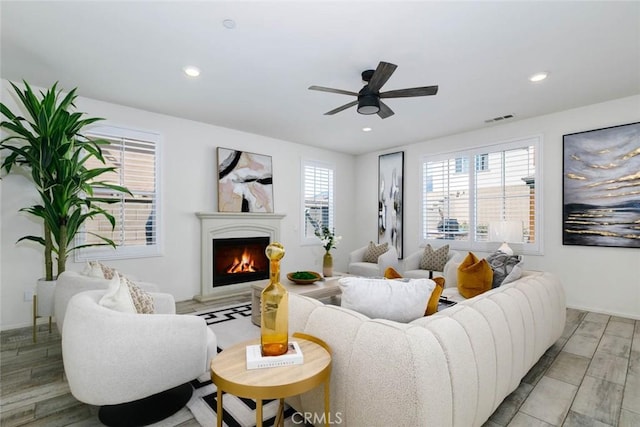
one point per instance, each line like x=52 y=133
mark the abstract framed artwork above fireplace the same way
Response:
x=234 y=241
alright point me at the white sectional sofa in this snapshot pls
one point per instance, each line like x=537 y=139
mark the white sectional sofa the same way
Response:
x=450 y=369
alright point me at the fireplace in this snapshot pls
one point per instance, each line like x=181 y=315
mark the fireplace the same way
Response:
x=239 y=260
x=222 y=234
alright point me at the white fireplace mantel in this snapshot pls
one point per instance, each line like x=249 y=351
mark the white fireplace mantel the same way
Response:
x=220 y=225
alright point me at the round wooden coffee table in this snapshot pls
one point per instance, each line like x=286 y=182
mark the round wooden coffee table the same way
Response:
x=230 y=374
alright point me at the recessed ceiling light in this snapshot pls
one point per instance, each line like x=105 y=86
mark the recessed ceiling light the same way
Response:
x=367 y=129
x=538 y=77
x=229 y=24
x=191 y=71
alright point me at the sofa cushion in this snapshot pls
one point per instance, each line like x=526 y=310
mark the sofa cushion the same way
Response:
x=398 y=300
x=474 y=276
x=506 y=268
x=374 y=251
x=434 y=260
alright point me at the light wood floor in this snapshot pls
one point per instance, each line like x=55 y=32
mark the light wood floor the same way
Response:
x=590 y=377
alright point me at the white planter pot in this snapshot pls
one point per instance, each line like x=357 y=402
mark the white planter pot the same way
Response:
x=45 y=290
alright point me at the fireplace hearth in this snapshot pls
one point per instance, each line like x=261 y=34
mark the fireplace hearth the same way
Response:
x=239 y=260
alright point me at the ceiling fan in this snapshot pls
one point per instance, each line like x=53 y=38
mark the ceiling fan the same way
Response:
x=368 y=101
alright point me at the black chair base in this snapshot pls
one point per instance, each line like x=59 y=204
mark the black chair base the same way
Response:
x=148 y=410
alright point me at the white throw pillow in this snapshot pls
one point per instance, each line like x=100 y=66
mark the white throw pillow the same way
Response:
x=398 y=300
x=93 y=269
x=118 y=296
x=451 y=273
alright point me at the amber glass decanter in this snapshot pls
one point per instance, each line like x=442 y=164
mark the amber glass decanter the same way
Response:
x=274 y=323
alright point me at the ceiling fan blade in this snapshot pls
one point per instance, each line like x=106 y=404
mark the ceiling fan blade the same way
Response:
x=344 y=107
x=381 y=75
x=415 y=91
x=328 y=89
x=385 y=111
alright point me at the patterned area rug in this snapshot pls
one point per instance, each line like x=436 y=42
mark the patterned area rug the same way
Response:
x=231 y=324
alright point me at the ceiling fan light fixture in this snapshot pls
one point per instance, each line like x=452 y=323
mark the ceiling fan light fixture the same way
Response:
x=368 y=104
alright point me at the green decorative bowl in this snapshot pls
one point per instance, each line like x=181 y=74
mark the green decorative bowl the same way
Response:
x=304 y=277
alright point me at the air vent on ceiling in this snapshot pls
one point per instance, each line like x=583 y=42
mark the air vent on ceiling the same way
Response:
x=497 y=119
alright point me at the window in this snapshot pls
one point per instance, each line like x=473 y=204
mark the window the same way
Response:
x=481 y=163
x=462 y=165
x=458 y=204
x=317 y=198
x=136 y=234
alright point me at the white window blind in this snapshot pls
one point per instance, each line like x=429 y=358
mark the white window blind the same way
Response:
x=459 y=203
x=318 y=203
x=136 y=234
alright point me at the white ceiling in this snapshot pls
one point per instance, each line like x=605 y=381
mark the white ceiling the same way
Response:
x=255 y=77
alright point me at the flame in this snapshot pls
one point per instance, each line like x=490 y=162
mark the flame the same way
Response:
x=243 y=265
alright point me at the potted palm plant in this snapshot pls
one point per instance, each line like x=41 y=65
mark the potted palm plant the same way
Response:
x=48 y=142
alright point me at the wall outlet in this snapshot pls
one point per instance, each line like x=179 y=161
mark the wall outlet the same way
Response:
x=28 y=295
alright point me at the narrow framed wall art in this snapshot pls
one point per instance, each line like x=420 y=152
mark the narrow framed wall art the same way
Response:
x=390 y=200
x=601 y=187
x=245 y=181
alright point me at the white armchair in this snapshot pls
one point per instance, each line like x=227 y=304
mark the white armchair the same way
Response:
x=124 y=361
x=70 y=283
x=358 y=267
x=411 y=266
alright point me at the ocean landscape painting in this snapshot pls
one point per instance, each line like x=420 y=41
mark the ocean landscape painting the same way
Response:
x=601 y=187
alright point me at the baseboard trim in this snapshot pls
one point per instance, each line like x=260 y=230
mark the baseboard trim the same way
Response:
x=633 y=316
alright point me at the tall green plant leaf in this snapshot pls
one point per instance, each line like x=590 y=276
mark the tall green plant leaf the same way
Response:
x=48 y=141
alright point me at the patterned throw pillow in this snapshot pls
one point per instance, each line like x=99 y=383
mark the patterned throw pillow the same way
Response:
x=374 y=251
x=142 y=300
x=506 y=268
x=434 y=260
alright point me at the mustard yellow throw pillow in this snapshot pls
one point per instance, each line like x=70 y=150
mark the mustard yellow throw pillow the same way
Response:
x=392 y=273
x=432 y=305
x=474 y=276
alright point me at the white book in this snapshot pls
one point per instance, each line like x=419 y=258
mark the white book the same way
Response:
x=255 y=359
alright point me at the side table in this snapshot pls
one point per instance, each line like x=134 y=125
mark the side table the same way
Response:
x=229 y=374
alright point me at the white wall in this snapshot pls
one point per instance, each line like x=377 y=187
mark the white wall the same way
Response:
x=188 y=183
x=599 y=279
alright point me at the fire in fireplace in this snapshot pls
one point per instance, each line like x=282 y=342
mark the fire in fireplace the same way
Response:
x=239 y=260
